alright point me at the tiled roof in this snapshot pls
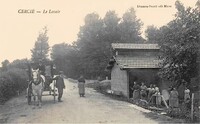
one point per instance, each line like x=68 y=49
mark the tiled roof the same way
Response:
x=134 y=46
x=133 y=62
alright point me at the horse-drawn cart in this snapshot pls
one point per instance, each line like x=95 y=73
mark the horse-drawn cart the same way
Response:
x=46 y=73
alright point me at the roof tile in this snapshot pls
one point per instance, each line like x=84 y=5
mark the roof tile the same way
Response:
x=134 y=46
x=133 y=62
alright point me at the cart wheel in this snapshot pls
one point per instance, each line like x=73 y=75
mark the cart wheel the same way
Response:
x=54 y=92
x=29 y=96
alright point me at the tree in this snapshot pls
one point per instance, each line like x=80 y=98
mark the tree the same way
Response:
x=41 y=48
x=89 y=44
x=5 y=65
x=111 y=33
x=19 y=63
x=66 y=58
x=90 y=54
x=153 y=34
x=111 y=27
x=179 y=46
x=198 y=4
x=96 y=36
x=91 y=31
x=58 y=54
x=130 y=27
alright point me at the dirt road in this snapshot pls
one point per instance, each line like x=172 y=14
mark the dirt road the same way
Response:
x=94 y=108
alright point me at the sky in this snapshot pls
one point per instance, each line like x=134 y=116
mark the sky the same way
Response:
x=19 y=31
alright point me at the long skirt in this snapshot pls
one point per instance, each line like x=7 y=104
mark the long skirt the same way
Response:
x=158 y=100
x=136 y=94
x=81 y=87
x=143 y=94
x=173 y=102
x=187 y=98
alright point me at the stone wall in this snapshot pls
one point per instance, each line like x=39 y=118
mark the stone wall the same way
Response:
x=119 y=79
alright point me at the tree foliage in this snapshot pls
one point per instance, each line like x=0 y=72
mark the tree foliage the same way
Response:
x=180 y=44
x=90 y=44
x=5 y=64
x=130 y=27
x=66 y=58
x=153 y=34
x=19 y=63
x=111 y=27
x=13 y=78
x=92 y=51
x=41 y=48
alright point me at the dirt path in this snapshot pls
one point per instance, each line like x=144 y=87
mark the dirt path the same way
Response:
x=94 y=108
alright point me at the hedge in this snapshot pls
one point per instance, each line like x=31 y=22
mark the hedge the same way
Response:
x=12 y=82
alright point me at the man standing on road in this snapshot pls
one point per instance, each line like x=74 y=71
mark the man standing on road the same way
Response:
x=60 y=85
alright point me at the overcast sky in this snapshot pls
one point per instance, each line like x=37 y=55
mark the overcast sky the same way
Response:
x=18 y=32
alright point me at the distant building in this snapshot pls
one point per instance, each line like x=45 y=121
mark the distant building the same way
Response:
x=133 y=62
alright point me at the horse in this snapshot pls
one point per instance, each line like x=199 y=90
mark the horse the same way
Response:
x=38 y=81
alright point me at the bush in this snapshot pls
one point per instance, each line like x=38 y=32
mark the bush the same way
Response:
x=101 y=86
x=184 y=112
x=12 y=82
x=197 y=110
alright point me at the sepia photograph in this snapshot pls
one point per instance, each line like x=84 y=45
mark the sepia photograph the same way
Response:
x=100 y=61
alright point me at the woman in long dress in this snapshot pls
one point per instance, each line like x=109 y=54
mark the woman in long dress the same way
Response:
x=143 y=91
x=150 y=91
x=136 y=91
x=173 y=99
x=158 y=97
x=187 y=95
x=81 y=86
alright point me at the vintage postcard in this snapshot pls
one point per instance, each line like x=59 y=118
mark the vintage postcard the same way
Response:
x=99 y=61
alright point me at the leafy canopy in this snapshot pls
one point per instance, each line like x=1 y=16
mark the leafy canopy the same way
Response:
x=41 y=47
x=180 y=44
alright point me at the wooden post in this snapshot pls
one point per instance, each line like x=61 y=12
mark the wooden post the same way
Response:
x=192 y=107
x=54 y=92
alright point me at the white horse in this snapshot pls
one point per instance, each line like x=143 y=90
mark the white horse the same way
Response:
x=37 y=87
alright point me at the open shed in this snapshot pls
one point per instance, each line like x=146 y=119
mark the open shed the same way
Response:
x=133 y=62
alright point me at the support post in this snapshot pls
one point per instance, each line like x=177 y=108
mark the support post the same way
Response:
x=192 y=107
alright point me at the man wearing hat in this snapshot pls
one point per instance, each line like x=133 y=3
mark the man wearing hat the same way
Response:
x=60 y=85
